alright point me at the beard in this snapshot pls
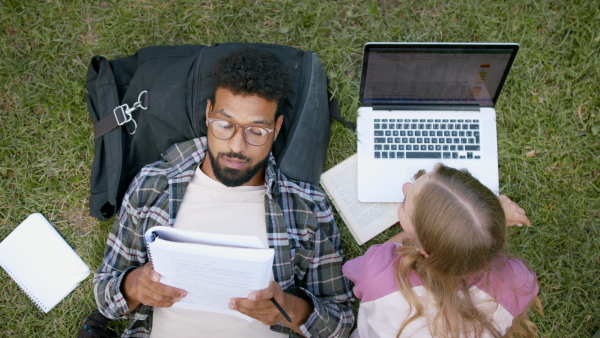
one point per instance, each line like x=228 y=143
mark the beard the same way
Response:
x=234 y=177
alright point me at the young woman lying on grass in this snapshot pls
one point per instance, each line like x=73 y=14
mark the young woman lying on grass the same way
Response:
x=448 y=273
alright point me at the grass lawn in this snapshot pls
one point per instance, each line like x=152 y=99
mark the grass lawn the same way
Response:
x=548 y=119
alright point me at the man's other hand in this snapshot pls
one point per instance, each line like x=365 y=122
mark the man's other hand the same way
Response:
x=142 y=286
x=259 y=306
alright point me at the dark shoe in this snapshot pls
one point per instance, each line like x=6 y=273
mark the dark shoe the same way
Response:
x=95 y=326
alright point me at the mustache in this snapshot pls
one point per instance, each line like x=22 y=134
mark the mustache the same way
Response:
x=232 y=154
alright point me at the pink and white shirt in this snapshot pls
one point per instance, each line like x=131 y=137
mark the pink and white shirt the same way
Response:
x=505 y=294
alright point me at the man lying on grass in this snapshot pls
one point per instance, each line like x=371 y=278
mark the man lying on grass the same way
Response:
x=227 y=183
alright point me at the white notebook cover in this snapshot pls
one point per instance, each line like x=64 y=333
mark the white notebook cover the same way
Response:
x=41 y=262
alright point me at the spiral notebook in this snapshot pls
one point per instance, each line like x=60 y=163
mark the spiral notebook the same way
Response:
x=41 y=262
x=212 y=268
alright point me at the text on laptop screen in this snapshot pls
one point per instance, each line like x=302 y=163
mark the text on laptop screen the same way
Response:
x=434 y=75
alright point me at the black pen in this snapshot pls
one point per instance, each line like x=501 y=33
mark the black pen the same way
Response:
x=285 y=315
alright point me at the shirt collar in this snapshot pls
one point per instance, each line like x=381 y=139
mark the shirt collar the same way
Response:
x=270 y=175
x=179 y=152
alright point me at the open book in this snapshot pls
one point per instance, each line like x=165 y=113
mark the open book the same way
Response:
x=365 y=220
x=211 y=268
x=41 y=262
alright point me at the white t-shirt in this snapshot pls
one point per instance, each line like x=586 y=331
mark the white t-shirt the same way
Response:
x=210 y=206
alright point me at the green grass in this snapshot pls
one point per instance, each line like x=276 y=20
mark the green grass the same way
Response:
x=550 y=104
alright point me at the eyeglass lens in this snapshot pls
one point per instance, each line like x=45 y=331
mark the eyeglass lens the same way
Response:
x=254 y=135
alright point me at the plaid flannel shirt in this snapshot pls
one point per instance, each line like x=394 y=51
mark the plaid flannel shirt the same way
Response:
x=300 y=227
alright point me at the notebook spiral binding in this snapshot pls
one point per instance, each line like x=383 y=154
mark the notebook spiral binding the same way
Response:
x=33 y=298
x=154 y=236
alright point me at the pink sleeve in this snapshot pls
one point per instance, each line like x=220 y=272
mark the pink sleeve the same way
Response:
x=517 y=286
x=373 y=273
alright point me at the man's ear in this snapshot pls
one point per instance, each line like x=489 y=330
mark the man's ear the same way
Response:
x=278 y=124
x=209 y=105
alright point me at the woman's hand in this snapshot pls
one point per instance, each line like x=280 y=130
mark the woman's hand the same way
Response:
x=515 y=215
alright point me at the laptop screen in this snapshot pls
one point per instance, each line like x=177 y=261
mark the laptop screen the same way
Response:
x=435 y=74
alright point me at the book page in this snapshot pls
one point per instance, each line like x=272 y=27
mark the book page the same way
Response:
x=41 y=262
x=365 y=220
x=211 y=275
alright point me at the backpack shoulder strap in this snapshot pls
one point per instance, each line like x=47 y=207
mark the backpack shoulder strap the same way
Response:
x=334 y=111
x=102 y=97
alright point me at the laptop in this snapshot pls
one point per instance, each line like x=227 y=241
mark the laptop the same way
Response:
x=424 y=103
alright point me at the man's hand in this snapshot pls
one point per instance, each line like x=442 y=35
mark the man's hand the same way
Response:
x=259 y=306
x=142 y=286
x=515 y=215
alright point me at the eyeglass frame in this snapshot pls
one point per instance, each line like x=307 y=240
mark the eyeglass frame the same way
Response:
x=245 y=127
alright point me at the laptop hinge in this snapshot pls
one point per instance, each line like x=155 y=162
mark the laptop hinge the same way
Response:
x=462 y=107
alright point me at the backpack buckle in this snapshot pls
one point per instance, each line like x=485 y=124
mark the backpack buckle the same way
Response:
x=124 y=111
x=142 y=99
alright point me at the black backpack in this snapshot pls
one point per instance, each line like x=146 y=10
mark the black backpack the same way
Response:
x=143 y=104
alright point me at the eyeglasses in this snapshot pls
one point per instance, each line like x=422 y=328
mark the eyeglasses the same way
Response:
x=224 y=130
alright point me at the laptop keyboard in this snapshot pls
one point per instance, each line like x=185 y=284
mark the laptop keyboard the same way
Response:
x=427 y=138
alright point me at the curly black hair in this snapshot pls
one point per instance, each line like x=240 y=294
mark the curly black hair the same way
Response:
x=249 y=71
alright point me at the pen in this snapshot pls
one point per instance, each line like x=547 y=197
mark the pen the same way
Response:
x=285 y=315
